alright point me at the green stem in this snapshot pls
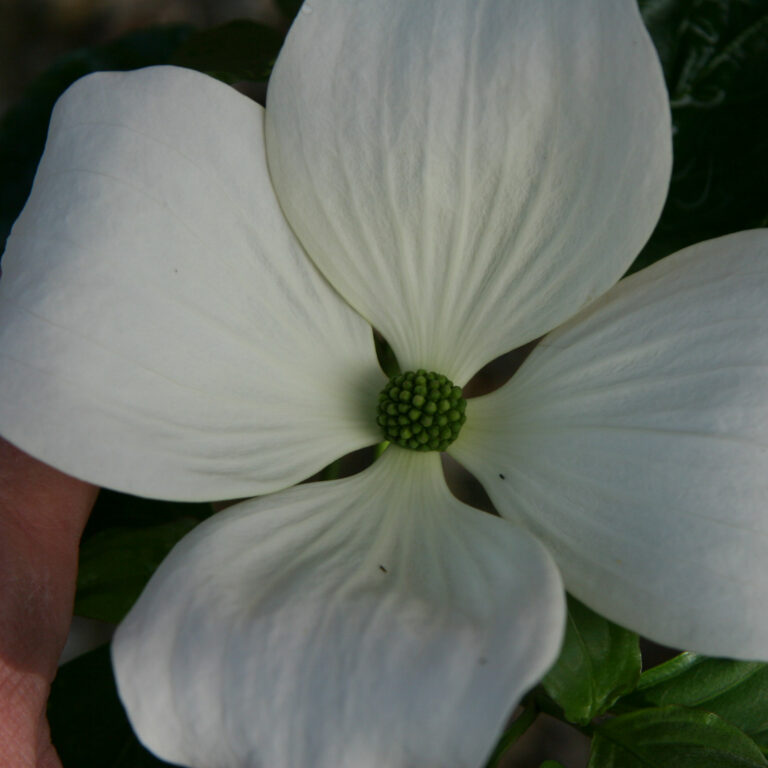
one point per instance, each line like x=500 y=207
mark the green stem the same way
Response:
x=331 y=472
x=523 y=722
x=380 y=448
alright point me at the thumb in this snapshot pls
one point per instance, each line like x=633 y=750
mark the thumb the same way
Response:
x=42 y=516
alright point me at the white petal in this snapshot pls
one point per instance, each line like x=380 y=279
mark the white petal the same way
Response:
x=161 y=330
x=634 y=441
x=372 y=621
x=470 y=173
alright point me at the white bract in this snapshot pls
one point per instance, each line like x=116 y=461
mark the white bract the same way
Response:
x=186 y=313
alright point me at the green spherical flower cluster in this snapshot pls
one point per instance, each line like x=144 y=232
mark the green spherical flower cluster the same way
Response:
x=421 y=410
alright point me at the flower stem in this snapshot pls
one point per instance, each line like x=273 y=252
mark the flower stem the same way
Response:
x=379 y=449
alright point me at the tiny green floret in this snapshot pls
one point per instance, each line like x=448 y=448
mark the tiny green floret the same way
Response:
x=421 y=410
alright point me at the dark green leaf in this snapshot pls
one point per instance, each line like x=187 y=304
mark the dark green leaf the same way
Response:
x=116 y=564
x=120 y=510
x=599 y=662
x=24 y=127
x=715 y=56
x=89 y=727
x=551 y=764
x=672 y=737
x=239 y=50
x=737 y=691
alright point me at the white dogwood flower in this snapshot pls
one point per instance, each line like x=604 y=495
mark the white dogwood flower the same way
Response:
x=186 y=313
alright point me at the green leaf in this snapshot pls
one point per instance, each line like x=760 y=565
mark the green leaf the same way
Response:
x=737 y=691
x=89 y=727
x=551 y=764
x=239 y=50
x=120 y=510
x=599 y=662
x=715 y=56
x=115 y=565
x=24 y=127
x=672 y=737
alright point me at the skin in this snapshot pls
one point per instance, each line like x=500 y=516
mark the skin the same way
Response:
x=42 y=516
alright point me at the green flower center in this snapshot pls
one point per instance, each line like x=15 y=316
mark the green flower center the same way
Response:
x=421 y=410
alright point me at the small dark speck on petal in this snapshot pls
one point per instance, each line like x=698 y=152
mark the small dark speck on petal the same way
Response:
x=501 y=476
x=383 y=569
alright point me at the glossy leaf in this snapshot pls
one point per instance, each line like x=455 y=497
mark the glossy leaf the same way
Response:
x=737 y=691
x=672 y=737
x=88 y=725
x=115 y=565
x=599 y=662
x=238 y=50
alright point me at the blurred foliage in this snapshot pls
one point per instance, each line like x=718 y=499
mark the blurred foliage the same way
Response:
x=289 y=8
x=239 y=50
x=715 y=59
x=125 y=540
x=24 y=127
x=116 y=564
x=119 y=510
x=88 y=723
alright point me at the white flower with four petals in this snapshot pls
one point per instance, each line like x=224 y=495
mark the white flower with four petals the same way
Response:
x=186 y=312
